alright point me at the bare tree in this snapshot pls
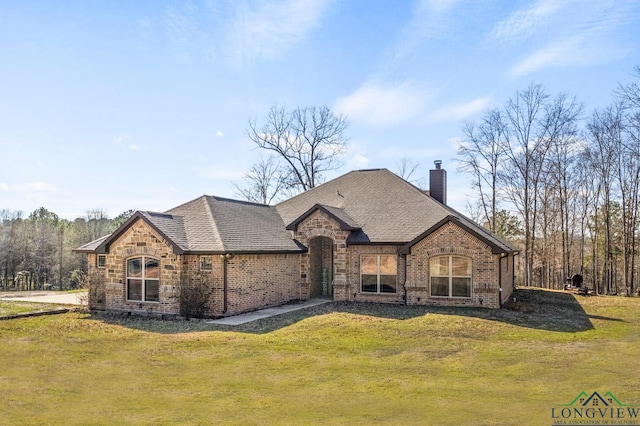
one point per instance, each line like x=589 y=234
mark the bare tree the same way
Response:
x=536 y=124
x=481 y=155
x=405 y=168
x=263 y=183
x=605 y=132
x=308 y=140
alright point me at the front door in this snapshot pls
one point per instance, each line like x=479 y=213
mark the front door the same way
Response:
x=321 y=266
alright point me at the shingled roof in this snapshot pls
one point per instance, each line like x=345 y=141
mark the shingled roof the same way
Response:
x=212 y=225
x=377 y=206
x=385 y=207
x=215 y=224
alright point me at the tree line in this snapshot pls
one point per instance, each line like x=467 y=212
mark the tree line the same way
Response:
x=36 y=250
x=562 y=184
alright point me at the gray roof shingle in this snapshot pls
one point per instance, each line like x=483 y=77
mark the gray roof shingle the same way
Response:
x=215 y=224
x=387 y=208
x=377 y=206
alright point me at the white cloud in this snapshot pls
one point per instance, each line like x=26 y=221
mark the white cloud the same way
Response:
x=134 y=147
x=524 y=22
x=268 y=29
x=219 y=134
x=4 y=186
x=384 y=106
x=594 y=34
x=461 y=111
x=145 y=28
x=576 y=51
x=438 y=6
x=180 y=19
x=217 y=172
x=121 y=138
x=35 y=186
x=358 y=161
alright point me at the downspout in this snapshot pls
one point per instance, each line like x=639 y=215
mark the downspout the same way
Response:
x=500 y=279
x=513 y=270
x=225 y=282
x=404 y=282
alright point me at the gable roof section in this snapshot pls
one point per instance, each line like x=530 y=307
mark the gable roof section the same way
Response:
x=212 y=225
x=377 y=206
x=221 y=225
x=169 y=227
x=387 y=208
x=91 y=247
x=497 y=245
x=339 y=215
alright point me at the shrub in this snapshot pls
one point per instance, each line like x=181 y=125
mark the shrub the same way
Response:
x=193 y=297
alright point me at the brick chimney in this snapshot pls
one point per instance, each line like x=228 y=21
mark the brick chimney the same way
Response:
x=438 y=182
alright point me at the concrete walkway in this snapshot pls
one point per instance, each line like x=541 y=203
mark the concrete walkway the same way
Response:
x=269 y=312
x=47 y=297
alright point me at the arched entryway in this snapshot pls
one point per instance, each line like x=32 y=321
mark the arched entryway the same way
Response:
x=320 y=266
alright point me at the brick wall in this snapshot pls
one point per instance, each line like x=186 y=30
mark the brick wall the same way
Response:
x=259 y=280
x=96 y=289
x=507 y=276
x=451 y=239
x=139 y=240
x=320 y=224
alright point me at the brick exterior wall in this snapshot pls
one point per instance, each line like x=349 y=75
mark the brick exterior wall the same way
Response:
x=451 y=239
x=320 y=224
x=507 y=272
x=260 y=280
x=138 y=240
x=255 y=281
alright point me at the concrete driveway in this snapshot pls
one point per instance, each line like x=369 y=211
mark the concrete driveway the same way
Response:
x=55 y=297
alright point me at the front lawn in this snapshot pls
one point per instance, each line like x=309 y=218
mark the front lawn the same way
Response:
x=10 y=308
x=333 y=364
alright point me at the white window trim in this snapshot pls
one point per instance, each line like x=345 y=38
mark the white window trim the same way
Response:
x=143 y=278
x=378 y=274
x=451 y=277
x=101 y=256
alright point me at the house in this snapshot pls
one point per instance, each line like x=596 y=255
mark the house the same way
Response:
x=366 y=236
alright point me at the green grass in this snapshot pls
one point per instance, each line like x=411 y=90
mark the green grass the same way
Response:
x=334 y=364
x=9 y=308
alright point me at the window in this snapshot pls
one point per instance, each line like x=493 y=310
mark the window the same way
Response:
x=143 y=279
x=378 y=273
x=102 y=261
x=206 y=263
x=450 y=276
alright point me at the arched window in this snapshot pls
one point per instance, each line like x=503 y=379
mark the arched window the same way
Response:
x=143 y=279
x=450 y=276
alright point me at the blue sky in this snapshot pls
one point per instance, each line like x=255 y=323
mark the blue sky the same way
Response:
x=144 y=105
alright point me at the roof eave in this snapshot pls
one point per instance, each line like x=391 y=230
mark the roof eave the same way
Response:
x=495 y=249
x=104 y=246
x=293 y=226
